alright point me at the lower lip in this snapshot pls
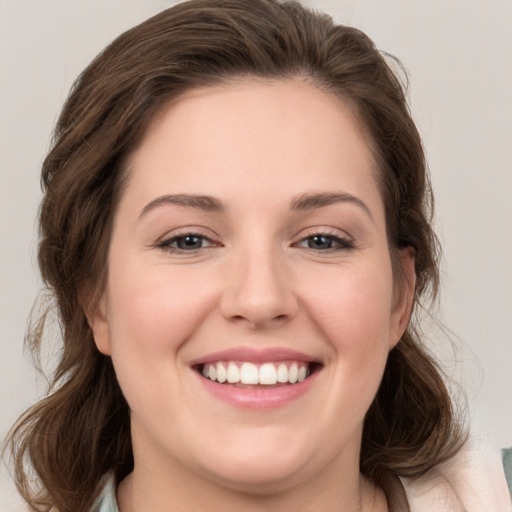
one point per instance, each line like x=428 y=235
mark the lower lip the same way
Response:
x=258 y=398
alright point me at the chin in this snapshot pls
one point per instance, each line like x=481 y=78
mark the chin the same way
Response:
x=262 y=478
x=262 y=467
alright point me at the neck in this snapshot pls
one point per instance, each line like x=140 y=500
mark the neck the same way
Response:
x=146 y=490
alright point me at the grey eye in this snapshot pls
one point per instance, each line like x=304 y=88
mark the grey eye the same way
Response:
x=189 y=242
x=319 y=242
x=324 y=242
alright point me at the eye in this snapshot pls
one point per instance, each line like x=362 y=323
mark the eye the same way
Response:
x=325 y=242
x=186 y=242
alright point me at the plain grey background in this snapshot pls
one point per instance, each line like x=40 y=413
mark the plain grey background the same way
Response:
x=459 y=57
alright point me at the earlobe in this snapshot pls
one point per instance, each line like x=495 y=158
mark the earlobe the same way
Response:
x=405 y=296
x=97 y=319
x=100 y=332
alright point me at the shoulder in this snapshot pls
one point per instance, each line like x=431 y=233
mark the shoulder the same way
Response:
x=472 y=481
x=106 y=500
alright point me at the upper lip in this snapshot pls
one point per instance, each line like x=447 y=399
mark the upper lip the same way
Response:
x=255 y=355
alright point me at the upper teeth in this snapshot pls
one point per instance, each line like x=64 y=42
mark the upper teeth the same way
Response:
x=250 y=373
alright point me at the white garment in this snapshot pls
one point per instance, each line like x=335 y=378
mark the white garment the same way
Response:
x=473 y=481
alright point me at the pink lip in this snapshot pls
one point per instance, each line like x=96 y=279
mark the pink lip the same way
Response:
x=256 y=398
x=253 y=355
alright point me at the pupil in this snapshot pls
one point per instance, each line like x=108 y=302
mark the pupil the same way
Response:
x=320 y=242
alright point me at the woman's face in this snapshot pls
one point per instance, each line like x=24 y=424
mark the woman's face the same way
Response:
x=250 y=306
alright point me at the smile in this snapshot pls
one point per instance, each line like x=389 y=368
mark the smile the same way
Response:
x=264 y=374
x=257 y=378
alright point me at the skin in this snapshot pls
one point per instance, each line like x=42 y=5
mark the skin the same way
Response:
x=258 y=280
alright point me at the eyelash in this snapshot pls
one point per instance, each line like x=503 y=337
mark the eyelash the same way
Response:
x=166 y=244
x=341 y=244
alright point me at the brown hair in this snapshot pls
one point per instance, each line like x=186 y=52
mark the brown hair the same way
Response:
x=80 y=431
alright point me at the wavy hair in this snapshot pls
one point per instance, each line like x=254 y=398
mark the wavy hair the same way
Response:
x=80 y=431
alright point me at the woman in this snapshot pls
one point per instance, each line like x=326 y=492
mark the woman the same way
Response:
x=236 y=230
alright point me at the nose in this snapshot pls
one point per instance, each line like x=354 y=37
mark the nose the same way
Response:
x=259 y=292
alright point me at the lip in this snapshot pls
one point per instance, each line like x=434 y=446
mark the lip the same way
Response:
x=257 y=398
x=253 y=355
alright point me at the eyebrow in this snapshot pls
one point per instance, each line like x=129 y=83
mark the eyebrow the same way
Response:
x=321 y=199
x=198 y=202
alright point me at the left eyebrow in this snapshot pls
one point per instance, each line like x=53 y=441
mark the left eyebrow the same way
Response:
x=321 y=199
x=197 y=202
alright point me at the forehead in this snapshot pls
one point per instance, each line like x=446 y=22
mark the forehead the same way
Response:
x=251 y=137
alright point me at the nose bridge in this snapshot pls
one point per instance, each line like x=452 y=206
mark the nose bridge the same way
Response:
x=259 y=289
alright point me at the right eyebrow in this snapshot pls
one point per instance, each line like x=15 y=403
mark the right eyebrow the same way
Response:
x=198 y=202
x=321 y=199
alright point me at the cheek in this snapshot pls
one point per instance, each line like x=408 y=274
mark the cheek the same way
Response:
x=156 y=310
x=151 y=315
x=353 y=314
x=353 y=310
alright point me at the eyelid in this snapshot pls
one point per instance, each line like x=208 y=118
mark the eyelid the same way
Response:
x=165 y=241
x=344 y=240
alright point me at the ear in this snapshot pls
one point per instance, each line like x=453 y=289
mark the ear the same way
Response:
x=404 y=295
x=96 y=313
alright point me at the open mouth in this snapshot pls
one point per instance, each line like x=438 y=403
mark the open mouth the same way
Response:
x=252 y=375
